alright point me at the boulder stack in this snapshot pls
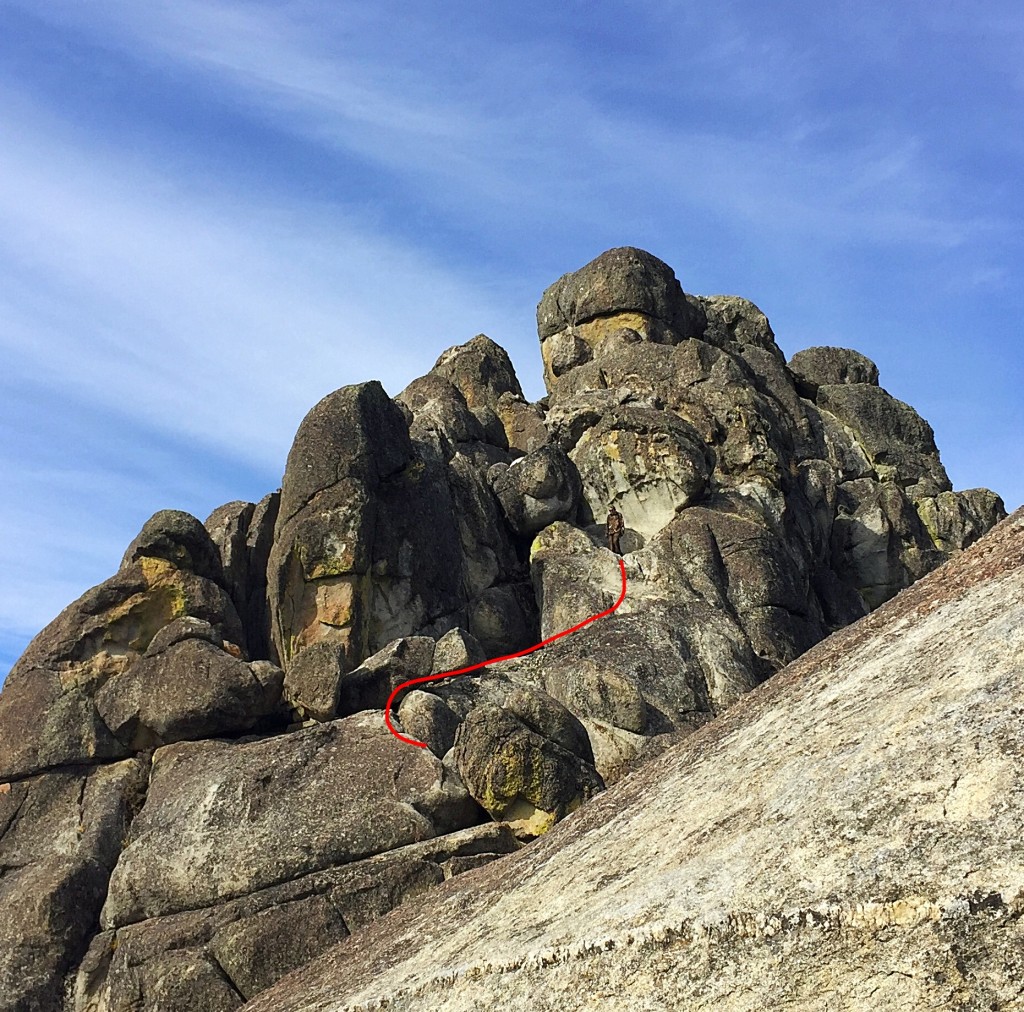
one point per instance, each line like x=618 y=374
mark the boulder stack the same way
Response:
x=198 y=792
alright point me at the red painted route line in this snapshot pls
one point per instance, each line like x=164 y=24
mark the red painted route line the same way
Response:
x=495 y=660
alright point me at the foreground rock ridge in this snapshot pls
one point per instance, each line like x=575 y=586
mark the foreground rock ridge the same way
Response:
x=846 y=836
x=198 y=793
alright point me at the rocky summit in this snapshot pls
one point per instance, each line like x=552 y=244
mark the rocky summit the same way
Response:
x=199 y=794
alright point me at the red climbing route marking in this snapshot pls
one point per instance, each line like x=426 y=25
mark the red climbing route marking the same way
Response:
x=495 y=660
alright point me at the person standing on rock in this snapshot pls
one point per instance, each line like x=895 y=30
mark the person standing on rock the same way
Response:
x=614 y=527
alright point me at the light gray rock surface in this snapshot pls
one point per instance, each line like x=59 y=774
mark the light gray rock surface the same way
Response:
x=850 y=832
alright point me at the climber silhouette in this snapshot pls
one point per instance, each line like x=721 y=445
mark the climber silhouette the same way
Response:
x=614 y=527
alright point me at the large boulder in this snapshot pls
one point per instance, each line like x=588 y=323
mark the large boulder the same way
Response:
x=382 y=536
x=360 y=792
x=180 y=539
x=537 y=489
x=521 y=775
x=955 y=520
x=623 y=287
x=824 y=366
x=187 y=686
x=482 y=372
x=220 y=956
x=48 y=707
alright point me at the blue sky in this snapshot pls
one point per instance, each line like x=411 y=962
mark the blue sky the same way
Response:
x=214 y=213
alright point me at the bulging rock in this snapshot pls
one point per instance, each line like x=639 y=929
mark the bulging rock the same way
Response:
x=438 y=406
x=624 y=287
x=427 y=718
x=823 y=366
x=955 y=520
x=538 y=489
x=523 y=423
x=879 y=544
x=191 y=689
x=518 y=775
x=48 y=711
x=733 y=322
x=481 y=370
x=178 y=538
x=648 y=463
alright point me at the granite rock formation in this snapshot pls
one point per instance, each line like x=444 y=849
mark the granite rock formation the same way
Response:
x=193 y=758
x=846 y=836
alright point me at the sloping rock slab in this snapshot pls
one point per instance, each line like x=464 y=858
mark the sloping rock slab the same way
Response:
x=222 y=820
x=851 y=828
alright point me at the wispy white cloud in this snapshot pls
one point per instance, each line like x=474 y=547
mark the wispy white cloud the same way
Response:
x=469 y=135
x=176 y=306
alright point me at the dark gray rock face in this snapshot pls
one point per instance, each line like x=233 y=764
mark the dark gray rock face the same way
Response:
x=339 y=823
x=199 y=741
x=180 y=539
x=372 y=556
x=817 y=367
x=60 y=836
x=48 y=707
x=369 y=685
x=243 y=534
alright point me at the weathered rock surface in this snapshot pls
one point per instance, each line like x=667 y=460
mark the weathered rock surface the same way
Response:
x=766 y=505
x=851 y=829
x=816 y=367
x=244 y=534
x=360 y=790
x=180 y=539
x=388 y=529
x=60 y=836
x=624 y=287
x=249 y=858
x=528 y=763
x=48 y=707
x=191 y=689
x=537 y=490
x=219 y=956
